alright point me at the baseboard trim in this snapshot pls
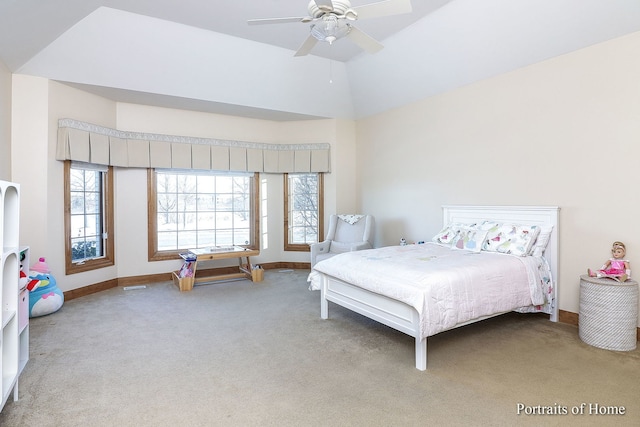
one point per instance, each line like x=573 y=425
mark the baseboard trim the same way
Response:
x=91 y=289
x=568 y=317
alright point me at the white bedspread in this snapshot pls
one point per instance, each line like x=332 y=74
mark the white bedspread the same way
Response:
x=447 y=287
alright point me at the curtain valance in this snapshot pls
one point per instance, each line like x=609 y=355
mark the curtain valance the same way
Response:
x=89 y=143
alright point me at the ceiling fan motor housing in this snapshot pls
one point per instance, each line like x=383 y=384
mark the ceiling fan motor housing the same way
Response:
x=340 y=7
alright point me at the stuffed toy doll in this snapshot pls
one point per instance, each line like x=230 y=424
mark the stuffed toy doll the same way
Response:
x=616 y=267
x=45 y=296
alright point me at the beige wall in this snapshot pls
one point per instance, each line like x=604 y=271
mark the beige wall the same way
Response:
x=563 y=132
x=5 y=123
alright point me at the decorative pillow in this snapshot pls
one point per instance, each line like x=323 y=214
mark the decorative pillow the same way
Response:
x=487 y=225
x=448 y=233
x=493 y=237
x=511 y=239
x=542 y=241
x=470 y=239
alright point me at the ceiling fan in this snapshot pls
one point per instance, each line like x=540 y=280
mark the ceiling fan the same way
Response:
x=333 y=19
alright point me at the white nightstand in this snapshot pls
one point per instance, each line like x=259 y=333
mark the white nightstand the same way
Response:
x=608 y=313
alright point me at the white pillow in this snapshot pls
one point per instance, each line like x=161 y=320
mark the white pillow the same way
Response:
x=448 y=233
x=542 y=241
x=514 y=239
x=487 y=225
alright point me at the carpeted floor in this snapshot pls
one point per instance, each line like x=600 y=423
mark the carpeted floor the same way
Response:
x=245 y=354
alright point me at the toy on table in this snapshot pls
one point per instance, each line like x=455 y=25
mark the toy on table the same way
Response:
x=617 y=267
x=45 y=296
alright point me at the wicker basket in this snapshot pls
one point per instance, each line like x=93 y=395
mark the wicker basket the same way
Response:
x=608 y=313
x=183 y=283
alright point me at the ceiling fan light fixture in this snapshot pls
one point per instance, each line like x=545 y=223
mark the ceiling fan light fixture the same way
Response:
x=330 y=29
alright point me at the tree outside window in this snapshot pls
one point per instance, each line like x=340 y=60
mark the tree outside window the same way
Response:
x=303 y=210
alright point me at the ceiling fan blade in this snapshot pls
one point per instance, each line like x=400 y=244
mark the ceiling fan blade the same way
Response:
x=306 y=47
x=383 y=8
x=365 y=41
x=278 y=20
x=324 y=5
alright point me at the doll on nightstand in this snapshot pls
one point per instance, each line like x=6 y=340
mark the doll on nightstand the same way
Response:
x=616 y=268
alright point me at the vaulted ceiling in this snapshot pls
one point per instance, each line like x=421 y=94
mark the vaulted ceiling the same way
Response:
x=202 y=54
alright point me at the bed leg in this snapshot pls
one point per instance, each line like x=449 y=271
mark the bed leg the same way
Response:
x=421 y=354
x=324 y=306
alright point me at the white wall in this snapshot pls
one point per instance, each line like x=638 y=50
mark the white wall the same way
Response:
x=30 y=166
x=5 y=123
x=562 y=132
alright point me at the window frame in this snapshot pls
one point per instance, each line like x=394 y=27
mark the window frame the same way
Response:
x=152 y=211
x=303 y=247
x=107 y=208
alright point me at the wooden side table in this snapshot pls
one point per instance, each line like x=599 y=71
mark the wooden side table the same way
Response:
x=608 y=315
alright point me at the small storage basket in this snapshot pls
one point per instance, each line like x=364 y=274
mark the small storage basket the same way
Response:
x=608 y=313
x=257 y=274
x=183 y=283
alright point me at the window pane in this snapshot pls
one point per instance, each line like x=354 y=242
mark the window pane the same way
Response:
x=224 y=202
x=82 y=249
x=206 y=202
x=77 y=179
x=206 y=184
x=167 y=240
x=167 y=203
x=187 y=239
x=87 y=215
x=206 y=209
x=166 y=183
x=92 y=203
x=241 y=236
x=206 y=238
x=77 y=202
x=224 y=237
x=224 y=184
x=303 y=201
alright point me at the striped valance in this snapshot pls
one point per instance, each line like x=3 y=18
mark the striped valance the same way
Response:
x=89 y=143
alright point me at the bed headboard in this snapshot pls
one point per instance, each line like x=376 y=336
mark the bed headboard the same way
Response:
x=538 y=215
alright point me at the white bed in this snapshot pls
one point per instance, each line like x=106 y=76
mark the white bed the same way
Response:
x=409 y=300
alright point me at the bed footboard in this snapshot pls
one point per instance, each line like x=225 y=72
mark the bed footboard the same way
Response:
x=392 y=313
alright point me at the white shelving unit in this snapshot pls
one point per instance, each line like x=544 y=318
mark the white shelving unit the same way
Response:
x=23 y=315
x=9 y=279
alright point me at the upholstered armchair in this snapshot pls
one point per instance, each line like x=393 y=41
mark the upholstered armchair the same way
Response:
x=346 y=233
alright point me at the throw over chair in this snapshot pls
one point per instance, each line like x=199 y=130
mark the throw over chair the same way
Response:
x=346 y=233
